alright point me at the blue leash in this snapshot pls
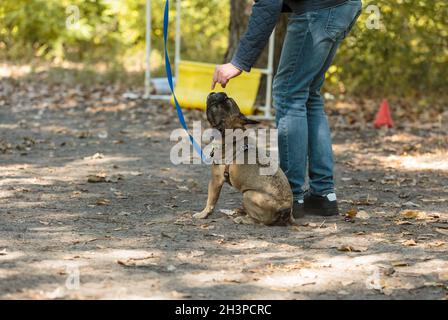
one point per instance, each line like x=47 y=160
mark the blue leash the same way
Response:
x=169 y=75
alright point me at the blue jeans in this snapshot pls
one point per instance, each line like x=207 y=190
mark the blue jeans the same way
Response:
x=311 y=42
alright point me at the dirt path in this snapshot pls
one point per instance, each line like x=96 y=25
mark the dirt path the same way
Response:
x=129 y=232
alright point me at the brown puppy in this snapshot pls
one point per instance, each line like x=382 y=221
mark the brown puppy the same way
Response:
x=267 y=199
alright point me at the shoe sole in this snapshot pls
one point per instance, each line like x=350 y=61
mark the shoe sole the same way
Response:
x=321 y=212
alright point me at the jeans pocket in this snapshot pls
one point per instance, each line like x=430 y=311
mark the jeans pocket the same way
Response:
x=342 y=18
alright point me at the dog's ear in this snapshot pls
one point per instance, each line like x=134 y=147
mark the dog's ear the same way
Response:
x=245 y=120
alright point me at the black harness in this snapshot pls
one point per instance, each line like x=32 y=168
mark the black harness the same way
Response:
x=244 y=148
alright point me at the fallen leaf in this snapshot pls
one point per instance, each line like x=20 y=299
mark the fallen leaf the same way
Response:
x=434 y=200
x=120 y=195
x=413 y=214
x=400 y=263
x=102 y=202
x=170 y=268
x=350 y=215
x=365 y=200
x=411 y=204
x=190 y=255
x=409 y=243
x=436 y=244
x=347 y=283
x=126 y=263
x=95 y=156
x=232 y=281
x=425 y=236
x=132 y=262
x=434 y=284
x=401 y=222
x=440 y=224
x=96 y=178
x=102 y=135
x=434 y=215
x=72 y=257
x=348 y=248
x=166 y=235
x=363 y=215
x=83 y=134
x=391 y=204
x=114 y=178
x=443 y=276
x=56 y=294
x=227 y=212
x=442 y=231
x=102 y=177
x=3 y=252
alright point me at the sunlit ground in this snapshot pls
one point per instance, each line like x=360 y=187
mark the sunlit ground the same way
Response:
x=87 y=189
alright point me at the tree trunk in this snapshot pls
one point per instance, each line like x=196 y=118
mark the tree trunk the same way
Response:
x=239 y=15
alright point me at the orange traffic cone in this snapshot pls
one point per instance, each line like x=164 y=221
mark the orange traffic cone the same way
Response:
x=383 y=117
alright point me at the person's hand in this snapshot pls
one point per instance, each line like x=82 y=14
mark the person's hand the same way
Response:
x=223 y=73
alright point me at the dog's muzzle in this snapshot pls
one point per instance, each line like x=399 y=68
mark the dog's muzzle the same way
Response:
x=215 y=98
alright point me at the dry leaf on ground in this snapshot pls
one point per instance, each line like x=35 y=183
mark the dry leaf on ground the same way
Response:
x=413 y=214
x=348 y=248
x=409 y=243
x=363 y=215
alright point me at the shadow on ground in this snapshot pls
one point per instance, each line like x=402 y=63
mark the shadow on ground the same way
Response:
x=87 y=189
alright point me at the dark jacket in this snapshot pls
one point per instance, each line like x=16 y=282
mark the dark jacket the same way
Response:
x=265 y=14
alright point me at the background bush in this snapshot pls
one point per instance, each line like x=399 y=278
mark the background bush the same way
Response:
x=407 y=56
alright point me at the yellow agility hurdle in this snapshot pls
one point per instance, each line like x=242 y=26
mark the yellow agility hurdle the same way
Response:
x=194 y=80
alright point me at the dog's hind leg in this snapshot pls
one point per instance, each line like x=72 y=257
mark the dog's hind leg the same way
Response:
x=258 y=207
x=261 y=207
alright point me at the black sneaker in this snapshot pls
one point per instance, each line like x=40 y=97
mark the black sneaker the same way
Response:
x=320 y=205
x=298 y=210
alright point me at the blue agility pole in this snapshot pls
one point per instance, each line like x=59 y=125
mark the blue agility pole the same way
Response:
x=169 y=76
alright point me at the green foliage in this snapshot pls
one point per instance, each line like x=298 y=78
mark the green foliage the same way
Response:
x=408 y=55
x=108 y=30
x=39 y=28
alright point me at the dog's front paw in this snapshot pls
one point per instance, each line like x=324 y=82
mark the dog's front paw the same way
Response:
x=201 y=215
